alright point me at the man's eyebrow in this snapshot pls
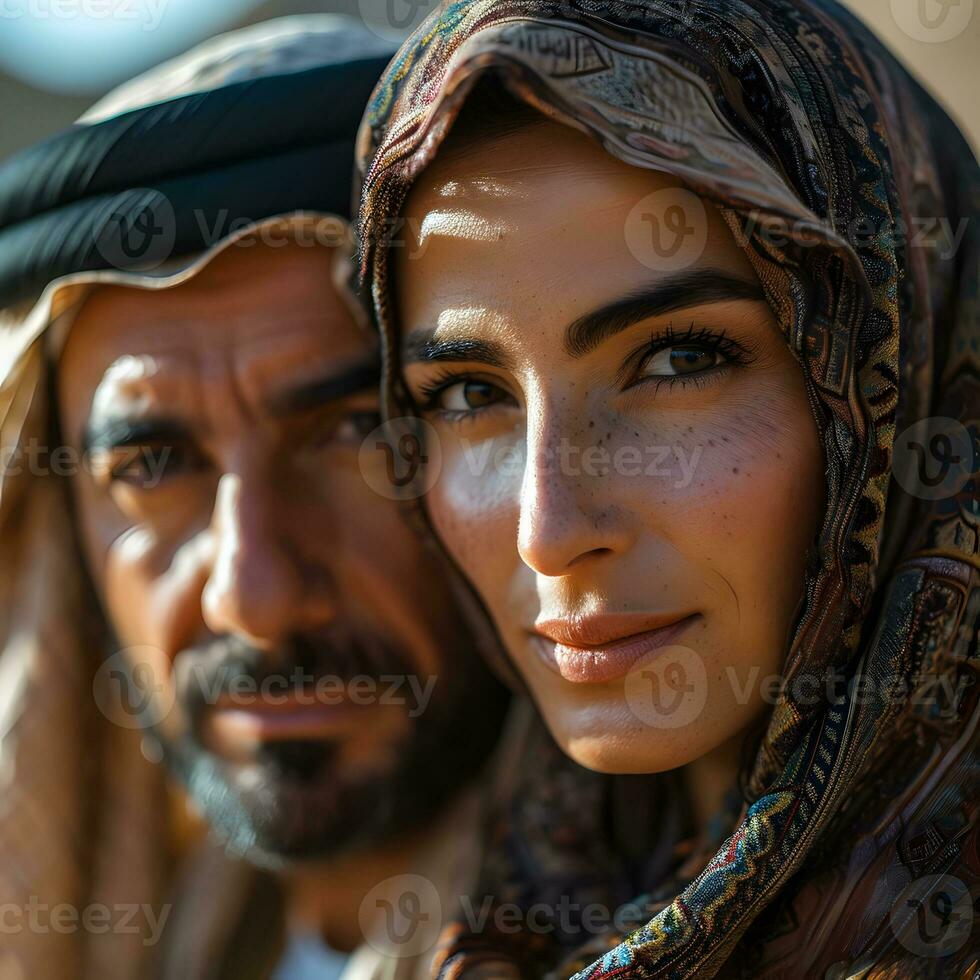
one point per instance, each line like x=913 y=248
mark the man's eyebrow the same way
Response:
x=115 y=431
x=676 y=292
x=424 y=346
x=331 y=387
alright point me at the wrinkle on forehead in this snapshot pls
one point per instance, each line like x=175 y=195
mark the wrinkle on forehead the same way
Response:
x=130 y=376
x=213 y=384
x=140 y=383
x=192 y=334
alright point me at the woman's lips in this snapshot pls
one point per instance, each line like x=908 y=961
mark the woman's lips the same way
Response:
x=604 y=648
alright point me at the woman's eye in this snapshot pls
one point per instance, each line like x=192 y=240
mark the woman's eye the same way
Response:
x=680 y=360
x=468 y=396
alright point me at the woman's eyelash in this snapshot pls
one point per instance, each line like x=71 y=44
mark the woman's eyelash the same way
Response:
x=429 y=391
x=716 y=341
x=713 y=341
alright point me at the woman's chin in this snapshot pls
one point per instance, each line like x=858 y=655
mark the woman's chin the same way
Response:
x=624 y=751
x=616 y=743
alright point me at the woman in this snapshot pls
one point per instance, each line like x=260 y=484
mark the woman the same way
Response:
x=675 y=319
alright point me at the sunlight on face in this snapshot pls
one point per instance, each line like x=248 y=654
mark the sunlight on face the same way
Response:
x=224 y=517
x=631 y=472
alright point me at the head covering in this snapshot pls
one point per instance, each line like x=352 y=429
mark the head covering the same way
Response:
x=255 y=123
x=250 y=134
x=839 y=176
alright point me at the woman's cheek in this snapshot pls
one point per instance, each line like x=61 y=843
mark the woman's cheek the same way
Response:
x=740 y=466
x=751 y=516
x=677 y=475
x=474 y=505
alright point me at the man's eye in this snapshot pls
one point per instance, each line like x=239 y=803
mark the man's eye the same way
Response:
x=357 y=426
x=680 y=360
x=467 y=396
x=146 y=467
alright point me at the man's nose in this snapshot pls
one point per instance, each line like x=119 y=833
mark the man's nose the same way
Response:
x=568 y=513
x=259 y=587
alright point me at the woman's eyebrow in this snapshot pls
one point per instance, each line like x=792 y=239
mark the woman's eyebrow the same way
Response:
x=676 y=292
x=424 y=346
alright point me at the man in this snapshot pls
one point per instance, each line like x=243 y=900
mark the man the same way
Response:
x=194 y=569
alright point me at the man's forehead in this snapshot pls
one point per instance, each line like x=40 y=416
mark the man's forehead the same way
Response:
x=240 y=291
x=258 y=318
x=260 y=367
x=258 y=349
x=183 y=373
x=189 y=340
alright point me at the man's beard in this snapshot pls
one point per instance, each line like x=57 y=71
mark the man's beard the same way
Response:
x=300 y=799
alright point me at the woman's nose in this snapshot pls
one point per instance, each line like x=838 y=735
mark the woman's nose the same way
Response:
x=257 y=587
x=568 y=511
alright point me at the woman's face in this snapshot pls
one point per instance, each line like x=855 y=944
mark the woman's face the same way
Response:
x=631 y=474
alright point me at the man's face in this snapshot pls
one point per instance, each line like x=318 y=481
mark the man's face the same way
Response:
x=289 y=624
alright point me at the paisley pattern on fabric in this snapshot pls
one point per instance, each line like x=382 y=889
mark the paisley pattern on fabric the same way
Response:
x=856 y=199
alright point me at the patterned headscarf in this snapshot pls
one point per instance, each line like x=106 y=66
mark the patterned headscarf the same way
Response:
x=857 y=848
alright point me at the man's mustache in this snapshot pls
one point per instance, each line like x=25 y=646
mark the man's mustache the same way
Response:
x=229 y=666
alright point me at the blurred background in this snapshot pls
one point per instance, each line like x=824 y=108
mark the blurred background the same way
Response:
x=58 y=56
